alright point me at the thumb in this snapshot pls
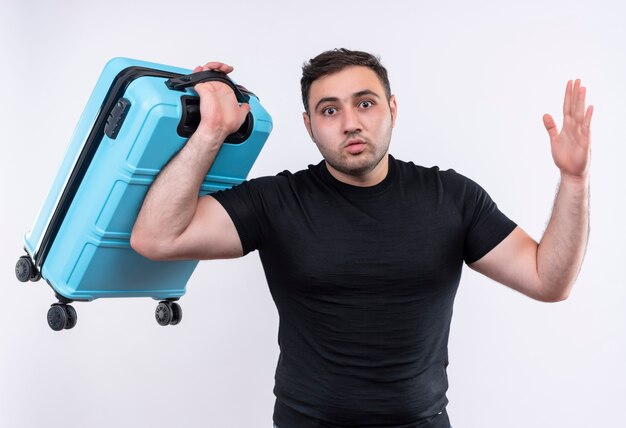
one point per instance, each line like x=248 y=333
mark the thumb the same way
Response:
x=242 y=113
x=550 y=125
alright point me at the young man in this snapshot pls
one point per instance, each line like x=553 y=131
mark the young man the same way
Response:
x=363 y=253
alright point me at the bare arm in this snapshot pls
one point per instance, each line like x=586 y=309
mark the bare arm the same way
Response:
x=547 y=271
x=174 y=223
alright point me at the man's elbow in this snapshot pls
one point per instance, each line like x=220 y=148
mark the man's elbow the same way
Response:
x=148 y=247
x=556 y=293
x=556 y=299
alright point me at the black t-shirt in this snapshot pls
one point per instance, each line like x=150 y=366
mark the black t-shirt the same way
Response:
x=364 y=280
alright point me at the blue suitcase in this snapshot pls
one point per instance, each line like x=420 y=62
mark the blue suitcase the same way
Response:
x=138 y=117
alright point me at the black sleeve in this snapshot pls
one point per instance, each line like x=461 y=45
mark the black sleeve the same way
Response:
x=246 y=204
x=484 y=224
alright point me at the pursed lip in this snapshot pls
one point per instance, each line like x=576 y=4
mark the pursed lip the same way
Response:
x=354 y=141
x=355 y=146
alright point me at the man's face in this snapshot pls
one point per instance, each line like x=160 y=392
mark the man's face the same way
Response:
x=350 y=120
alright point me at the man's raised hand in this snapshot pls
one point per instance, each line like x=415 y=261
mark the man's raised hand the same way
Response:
x=571 y=148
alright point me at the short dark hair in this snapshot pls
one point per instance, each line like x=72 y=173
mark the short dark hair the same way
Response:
x=335 y=60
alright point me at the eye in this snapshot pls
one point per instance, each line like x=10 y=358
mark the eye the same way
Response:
x=366 y=104
x=329 y=111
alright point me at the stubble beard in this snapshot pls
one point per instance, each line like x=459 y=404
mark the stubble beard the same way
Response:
x=361 y=164
x=355 y=167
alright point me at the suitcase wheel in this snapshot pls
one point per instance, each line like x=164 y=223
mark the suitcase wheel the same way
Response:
x=177 y=313
x=168 y=313
x=61 y=316
x=71 y=317
x=25 y=270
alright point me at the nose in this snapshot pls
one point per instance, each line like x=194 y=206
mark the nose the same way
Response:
x=351 y=122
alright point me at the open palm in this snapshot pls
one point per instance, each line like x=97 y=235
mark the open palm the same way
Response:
x=571 y=148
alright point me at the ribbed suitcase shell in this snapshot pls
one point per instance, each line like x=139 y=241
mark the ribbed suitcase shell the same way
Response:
x=90 y=257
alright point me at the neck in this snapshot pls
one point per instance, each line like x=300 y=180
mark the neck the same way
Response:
x=371 y=178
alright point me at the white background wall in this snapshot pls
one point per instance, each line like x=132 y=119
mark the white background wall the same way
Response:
x=472 y=79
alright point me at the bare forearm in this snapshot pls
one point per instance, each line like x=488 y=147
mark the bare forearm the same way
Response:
x=171 y=202
x=562 y=248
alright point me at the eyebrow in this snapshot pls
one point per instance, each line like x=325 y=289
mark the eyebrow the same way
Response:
x=355 y=95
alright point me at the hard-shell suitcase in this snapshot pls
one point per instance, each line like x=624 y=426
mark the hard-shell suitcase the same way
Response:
x=138 y=117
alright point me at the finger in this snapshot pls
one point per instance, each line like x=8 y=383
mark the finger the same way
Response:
x=222 y=67
x=198 y=68
x=211 y=86
x=219 y=66
x=568 y=99
x=575 y=96
x=579 y=114
x=587 y=121
x=213 y=65
x=550 y=125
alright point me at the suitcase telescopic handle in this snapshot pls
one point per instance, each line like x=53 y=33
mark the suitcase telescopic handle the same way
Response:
x=182 y=82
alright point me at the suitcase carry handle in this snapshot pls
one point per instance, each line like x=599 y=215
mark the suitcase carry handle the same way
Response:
x=183 y=82
x=190 y=119
x=191 y=105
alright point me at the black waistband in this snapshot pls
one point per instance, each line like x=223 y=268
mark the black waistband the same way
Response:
x=286 y=417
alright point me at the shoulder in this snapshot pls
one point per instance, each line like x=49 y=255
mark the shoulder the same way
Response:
x=308 y=178
x=448 y=178
x=440 y=184
x=284 y=181
x=313 y=170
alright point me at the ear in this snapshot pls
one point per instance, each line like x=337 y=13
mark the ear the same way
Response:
x=393 y=106
x=307 y=124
